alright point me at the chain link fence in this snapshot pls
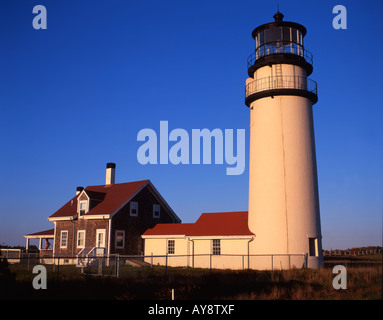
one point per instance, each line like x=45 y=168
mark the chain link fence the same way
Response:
x=116 y=265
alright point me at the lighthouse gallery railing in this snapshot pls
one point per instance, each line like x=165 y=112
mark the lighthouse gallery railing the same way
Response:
x=279 y=48
x=281 y=82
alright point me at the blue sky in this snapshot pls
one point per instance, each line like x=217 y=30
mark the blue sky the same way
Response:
x=73 y=97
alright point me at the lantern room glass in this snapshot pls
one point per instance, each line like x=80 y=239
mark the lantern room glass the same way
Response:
x=278 y=40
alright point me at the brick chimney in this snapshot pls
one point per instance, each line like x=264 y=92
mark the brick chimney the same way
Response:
x=78 y=190
x=110 y=173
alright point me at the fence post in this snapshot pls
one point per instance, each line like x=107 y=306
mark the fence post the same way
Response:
x=272 y=263
x=243 y=262
x=166 y=266
x=117 y=265
x=58 y=268
x=115 y=262
x=210 y=260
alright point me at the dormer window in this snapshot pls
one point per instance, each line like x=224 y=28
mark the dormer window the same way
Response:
x=83 y=207
x=82 y=203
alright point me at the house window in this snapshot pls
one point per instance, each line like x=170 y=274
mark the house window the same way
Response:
x=81 y=239
x=313 y=247
x=134 y=209
x=216 y=246
x=120 y=239
x=64 y=239
x=83 y=207
x=156 y=210
x=171 y=246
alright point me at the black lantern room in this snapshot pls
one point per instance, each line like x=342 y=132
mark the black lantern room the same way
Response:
x=281 y=42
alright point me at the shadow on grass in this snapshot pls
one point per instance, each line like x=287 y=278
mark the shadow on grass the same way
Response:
x=202 y=286
x=197 y=284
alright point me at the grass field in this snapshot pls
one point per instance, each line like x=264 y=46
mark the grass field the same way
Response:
x=364 y=282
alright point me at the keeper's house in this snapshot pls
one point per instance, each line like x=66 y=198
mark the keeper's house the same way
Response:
x=110 y=218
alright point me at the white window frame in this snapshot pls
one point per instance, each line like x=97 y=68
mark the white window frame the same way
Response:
x=77 y=239
x=123 y=239
x=154 y=211
x=130 y=209
x=169 y=247
x=61 y=239
x=86 y=202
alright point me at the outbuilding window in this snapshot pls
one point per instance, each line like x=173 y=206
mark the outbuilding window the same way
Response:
x=171 y=246
x=216 y=246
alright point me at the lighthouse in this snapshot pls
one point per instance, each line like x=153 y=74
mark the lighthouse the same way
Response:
x=283 y=185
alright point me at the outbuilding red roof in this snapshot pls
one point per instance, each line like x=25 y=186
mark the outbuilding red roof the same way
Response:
x=208 y=224
x=111 y=198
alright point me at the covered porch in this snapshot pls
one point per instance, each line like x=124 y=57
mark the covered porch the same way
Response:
x=45 y=242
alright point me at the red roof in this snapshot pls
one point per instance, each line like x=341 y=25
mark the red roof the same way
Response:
x=170 y=229
x=49 y=232
x=111 y=198
x=208 y=224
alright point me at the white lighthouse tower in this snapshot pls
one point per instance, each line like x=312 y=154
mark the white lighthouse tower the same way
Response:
x=283 y=188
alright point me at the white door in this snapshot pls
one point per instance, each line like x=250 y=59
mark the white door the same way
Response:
x=100 y=238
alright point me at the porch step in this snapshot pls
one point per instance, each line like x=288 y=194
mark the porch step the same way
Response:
x=89 y=256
